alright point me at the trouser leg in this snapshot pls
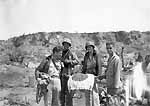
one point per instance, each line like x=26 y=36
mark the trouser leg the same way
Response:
x=68 y=98
x=63 y=90
x=48 y=96
x=56 y=92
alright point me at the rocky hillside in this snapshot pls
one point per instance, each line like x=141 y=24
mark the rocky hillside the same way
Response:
x=33 y=47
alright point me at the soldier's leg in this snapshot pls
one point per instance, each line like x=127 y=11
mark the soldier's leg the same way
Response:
x=63 y=91
x=68 y=99
x=68 y=95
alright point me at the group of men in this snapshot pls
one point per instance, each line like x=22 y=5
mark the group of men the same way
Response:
x=59 y=66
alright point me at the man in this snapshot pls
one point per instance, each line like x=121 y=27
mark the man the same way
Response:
x=114 y=67
x=51 y=65
x=113 y=70
x=69 y=60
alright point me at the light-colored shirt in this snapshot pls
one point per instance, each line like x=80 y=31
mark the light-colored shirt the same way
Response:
x=53 y=71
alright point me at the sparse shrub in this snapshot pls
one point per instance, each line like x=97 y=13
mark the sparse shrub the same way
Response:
x=17 y=41
x=33 y=40
x=109 y=36
x=80 y=54
x=147 y=32
x=84 y=35
x=17 y=56
x=121 y=36
x=14 y=100
x=147 y=39
x=45 y=43
x=127 y=41
x=96 y=38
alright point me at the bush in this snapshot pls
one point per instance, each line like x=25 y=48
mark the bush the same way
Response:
x=16 y=56
x=109 y=36
x=33 y=40
x=96 y=38
x=121 y=36
x=14 y=100
x=17 y=41
x=147 y=39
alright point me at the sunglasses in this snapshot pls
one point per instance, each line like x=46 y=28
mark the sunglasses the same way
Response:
x=109 y=48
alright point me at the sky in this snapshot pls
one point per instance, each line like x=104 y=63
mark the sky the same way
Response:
x=19 y=17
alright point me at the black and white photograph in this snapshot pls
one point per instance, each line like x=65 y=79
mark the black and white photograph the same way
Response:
x=74 y=53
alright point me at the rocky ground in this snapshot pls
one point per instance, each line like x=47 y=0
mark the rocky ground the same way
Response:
x=17 y=87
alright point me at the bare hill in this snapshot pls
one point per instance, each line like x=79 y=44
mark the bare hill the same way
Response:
x=36 y=45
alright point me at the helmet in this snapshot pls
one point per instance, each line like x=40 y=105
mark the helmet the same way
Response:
x=89 y=43
x=66 y=40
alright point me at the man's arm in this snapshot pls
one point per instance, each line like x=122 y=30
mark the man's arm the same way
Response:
x=40 y=68
x=117 y=70
x=73 y=59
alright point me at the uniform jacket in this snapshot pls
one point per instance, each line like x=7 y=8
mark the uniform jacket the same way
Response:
x=113 y=72
x=68 y=56
x=44 y=65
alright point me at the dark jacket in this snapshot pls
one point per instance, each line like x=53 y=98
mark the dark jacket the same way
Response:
x=69 y=60
x=43 y=67
x=92 y=66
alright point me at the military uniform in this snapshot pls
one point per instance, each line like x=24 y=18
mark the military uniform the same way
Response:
x=69 y=61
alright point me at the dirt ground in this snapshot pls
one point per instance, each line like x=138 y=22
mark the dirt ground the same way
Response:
x=16 y=89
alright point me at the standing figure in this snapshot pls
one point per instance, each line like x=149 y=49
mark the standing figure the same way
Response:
x=91 y=63
x=51 y=66
x=69 y=60
x=146 y=69
x=113 y=70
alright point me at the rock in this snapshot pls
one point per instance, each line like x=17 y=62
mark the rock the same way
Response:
x=32 y=65
x=31 y=81
x=145 y=101
x=3 y=68
x=5 y=102
x=1 y=103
